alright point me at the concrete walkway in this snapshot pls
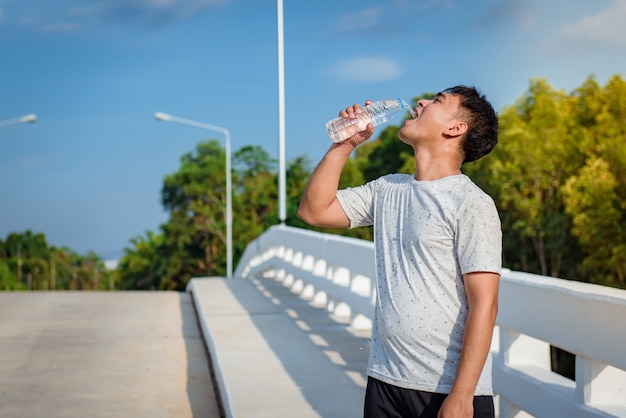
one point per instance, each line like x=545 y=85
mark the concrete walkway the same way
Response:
x=102 y=354
x=275 y=355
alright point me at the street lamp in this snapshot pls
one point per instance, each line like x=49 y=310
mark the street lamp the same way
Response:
x=282 y=175
x=23 y=119
x=229 y=202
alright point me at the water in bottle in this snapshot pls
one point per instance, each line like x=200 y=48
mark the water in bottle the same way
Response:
x=340 y=129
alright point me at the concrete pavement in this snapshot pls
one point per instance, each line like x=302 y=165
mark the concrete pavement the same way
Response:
x=102 y=354
x=141 y=354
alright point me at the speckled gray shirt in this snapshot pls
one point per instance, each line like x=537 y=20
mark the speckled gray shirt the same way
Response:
x=427 y=234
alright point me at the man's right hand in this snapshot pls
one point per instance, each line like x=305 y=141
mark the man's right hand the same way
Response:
x=350 y=113
x=319 y=205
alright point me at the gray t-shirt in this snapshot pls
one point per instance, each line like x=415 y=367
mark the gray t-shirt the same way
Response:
x=427 y=234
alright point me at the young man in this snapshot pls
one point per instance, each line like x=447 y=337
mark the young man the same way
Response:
x=438 y=251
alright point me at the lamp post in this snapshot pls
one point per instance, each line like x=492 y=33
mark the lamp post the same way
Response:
x=22 y=119
x=282 y=175
x=229 y=203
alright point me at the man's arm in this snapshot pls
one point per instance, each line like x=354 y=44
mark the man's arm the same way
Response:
x=482 y=297
x=319 y=205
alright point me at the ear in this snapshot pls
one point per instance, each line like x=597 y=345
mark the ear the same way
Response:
x=455 y=128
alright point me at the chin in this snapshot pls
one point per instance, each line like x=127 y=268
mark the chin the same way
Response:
x=402 y=138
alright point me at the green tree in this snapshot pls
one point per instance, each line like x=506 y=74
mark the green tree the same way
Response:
x=596 y=194
x=195 y=196
x=140 y=266
x=298 y=172
x=256 y=199
x=29 y=263
x=525 y=174
x=598 y=214
x=8 y=280
x=193 y=240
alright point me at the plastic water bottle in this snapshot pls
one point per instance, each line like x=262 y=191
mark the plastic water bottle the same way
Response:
x=380 y=112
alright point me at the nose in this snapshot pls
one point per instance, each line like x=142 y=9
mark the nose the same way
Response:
x=423 y=102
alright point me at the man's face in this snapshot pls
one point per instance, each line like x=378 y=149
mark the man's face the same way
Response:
x=433 y=117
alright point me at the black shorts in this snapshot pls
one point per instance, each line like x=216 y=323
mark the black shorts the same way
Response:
x=383 y=400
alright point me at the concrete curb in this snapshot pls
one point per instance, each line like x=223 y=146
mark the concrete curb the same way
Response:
x=276 y=356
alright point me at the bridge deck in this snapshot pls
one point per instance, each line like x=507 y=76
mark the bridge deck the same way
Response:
x=102 y=354
x=276 y=355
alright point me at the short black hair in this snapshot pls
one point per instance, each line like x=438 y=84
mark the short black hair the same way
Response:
x=482 y=122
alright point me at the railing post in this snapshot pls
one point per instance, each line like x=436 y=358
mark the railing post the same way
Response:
x=599 y=383
x=516 y=348
x=361 y=286
x=341 y=277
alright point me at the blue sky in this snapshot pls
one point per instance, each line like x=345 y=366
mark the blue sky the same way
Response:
x=88 y=173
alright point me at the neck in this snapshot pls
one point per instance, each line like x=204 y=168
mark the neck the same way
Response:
x=429 y=167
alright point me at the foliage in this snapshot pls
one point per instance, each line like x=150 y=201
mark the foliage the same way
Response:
x=141 y=264
x=193 y=240
x=595 y=196
x=558 y=178
x=255 y=204
x=527 y=170
x=27 y=262
x=194 y=237
x=8 y=280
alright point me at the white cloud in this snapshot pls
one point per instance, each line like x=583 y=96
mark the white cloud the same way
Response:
x=359 y=21
x=605 y=27
x=366 y=69
x=154 y=11
x=425 y=5
x=518 y=12
x=60 y=15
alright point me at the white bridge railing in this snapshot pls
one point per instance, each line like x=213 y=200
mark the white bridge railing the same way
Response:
x=535 y=312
